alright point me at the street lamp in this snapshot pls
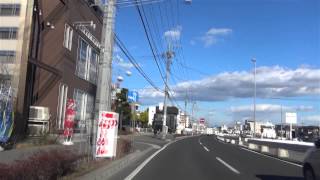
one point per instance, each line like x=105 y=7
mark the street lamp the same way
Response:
x=254 y=61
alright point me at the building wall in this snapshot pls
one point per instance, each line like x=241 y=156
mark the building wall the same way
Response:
x=13 y=69
x=151 y=112
x=58 y=64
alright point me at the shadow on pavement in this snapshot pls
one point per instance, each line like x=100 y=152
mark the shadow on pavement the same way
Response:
x=275 y=177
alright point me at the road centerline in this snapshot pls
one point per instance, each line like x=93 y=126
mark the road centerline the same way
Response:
x=228 y=166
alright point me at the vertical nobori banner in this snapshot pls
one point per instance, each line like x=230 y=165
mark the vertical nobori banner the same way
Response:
x=106 y=143
x=69 y=122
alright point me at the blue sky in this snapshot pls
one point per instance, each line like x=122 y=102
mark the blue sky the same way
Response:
x=217 y=39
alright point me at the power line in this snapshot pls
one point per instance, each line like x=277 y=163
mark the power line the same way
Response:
x=134 y=62
x=149 y=40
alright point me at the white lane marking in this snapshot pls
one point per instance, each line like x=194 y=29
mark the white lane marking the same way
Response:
x=200 y=141
x=273 y=157
x=206 y=148
x=144 y=163
x=228 y=166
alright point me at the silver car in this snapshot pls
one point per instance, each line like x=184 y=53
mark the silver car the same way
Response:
x=311 y=165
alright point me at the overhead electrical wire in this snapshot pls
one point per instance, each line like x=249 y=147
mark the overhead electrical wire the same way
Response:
x=155 y=58
x=134 y=62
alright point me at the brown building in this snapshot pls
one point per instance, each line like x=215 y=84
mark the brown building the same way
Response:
x=64 y=46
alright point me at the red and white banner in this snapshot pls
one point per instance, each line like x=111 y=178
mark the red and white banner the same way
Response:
x=69 y=119
x=106 y=143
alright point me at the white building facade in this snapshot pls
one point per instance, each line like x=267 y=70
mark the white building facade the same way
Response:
x=151 y=113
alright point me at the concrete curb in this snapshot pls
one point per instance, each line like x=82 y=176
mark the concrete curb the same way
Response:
x=109 y=170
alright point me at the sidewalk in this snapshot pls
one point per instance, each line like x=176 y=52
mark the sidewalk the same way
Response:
x=142 y=146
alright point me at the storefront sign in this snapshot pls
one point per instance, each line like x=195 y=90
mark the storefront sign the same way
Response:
x=69 y=121
x=106 y=142
x=90 y=36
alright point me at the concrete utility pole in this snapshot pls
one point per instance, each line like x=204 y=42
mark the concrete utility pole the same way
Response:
x=169 y=56
x=103 y=95
x=185 y=112
x=192 y=116
x=281 y=123
x=254 y=98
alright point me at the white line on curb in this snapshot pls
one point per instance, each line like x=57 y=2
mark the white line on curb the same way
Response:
x=272 y=157
x=228 y=166
x=206 y=148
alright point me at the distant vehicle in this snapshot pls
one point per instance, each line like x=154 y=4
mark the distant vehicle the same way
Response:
x=311 y=165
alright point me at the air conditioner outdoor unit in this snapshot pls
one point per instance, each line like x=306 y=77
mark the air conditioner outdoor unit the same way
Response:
x=38 y=122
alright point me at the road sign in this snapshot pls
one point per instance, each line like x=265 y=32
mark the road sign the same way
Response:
x=106 y=142
x=291 y=118
x=202 y=120
x=133 y=96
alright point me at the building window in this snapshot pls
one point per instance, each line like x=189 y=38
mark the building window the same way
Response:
x=62 y=102
x=93 y=67
x=9 y=9
x=8 y=32
x=7 y=56
x=68 y=33
x=84 y=109
x=87 y=64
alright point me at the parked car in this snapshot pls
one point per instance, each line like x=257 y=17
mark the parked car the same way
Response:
x=311 y=165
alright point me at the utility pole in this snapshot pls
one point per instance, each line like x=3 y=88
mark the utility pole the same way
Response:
x=169 y=56
x=254 y=98
x=103 y=95
x=281 y=123
x=185 y=112
x=193 y=103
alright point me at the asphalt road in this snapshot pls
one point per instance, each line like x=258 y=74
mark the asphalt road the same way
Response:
x=203 y=157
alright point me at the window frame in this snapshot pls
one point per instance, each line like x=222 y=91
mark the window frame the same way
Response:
x=9 y=56
x=68 y=36
x=15 y=9
x=9 y=33
x=89 y=62
x=83 y=115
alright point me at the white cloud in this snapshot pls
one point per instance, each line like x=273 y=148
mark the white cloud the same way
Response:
x=173 y=34
x=267 y=108
x=272 y=113
x=271 y=82
x=125 y=65
x=119 y=62
x=116 y=49
x=212 y=35
x=312 y=118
